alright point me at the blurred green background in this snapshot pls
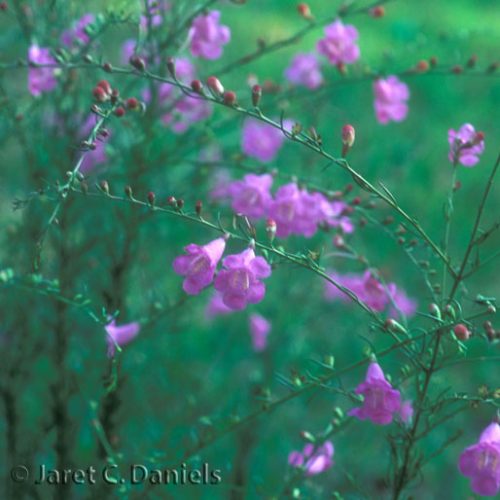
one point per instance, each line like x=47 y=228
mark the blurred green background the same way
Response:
x=184 y=377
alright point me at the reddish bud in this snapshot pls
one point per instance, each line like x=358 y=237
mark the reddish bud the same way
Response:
x=377 y=12
x=107 y=67
x=256 y=95
x=461 y=331
x=197 y=86
x=342 y=68
x=457 y=186
x=120 y=111
x=172 y=201
x=388 y=220
x=304 y=10
x=215 y=86
x=433 y=61
x=422 y=66
x=479 y=137
x=348 y=188
x=137 y=62
x=3 y=6
x=198 y=208
x=348 y=137
x=100 y=94
x=471 y=63
x=338 y=241
x=271 y=229
x=229 y=98
x=132 y=103
x=128 y=192
x=457 y=69
x=151 y=198
x=356 y=200
x=180 y=204
x=105 y=85
x=493 y=67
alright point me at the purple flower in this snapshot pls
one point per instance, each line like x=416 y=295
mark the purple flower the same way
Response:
x=465 y=145
x=381 y=401
x=390 y=99
x=305 y=70
x=155 y=9
x=259 y=330
x=481 y=462
x=128 y=50
x=313 y=461
x=221 y=182
x=260 y=140
x=78 y=33
x=239 y=282
x=251 y=196
x=199 y=265
x=216 y=307
x=339 y=44
x=331 y=213
x=40 y=79
x=120 y=335
x=208 y=36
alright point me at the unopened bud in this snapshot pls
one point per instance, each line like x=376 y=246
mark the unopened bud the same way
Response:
x=393 y=326
x=100 y=94
x=461 y=331
x=128 y=192
x=172 y=201
x=271 y=229
x=433 y=61
x=132 y=103
x=305 y=11
x=435 y=311
x=472 y=61
x=229 y=98
x=215 y=86
x=256 y=95
x=137 y=62
x=307 y=436
x=422 y=67
x=457 y=69
x=104 y=186
x=180 y=204
x=197 y=86
x=338 y=241
x=449 y=311
x=198 y=208
x=377 y=11
x=120 y=111
x=107 y=67
x=151 y=198
x=348 y=137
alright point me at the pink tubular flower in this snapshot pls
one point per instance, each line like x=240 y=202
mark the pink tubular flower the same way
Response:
x=251 y=196
x=208 y=36
x=78 y=34
x=465 y=145
x=239 y=282
x=120 y=335
x=40 y=79
x=260 y=140
x=402 y=302
x=390 y=99
x=481 y=462
x=381 y=401
x=304 y=70
x=339 y=44
x=314 y=462
x=199 y=265
x=406 y=411
x=259 y=330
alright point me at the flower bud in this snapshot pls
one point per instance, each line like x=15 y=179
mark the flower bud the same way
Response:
x=107 y=67
x=338 y=241
x=471 y=63
x=151 y=198
x=172 y=201
x=198 y=208
x=305 y=11
x=256 y=95
x=104 y=186
x=229 y=98
x=197 y=86
x=457 y=69
x=307 y=436
x=128 y=192
x=215 y=86
x=435 y=311
x=171 y=67
x=271 y=229
x=377 y=11
x=180 y=204
x=137 y=62
x=348 y=137
x=461 y=331
x=422 y=66
x=393 y=326
x=132 y=103
x=120 y=111
x=100 y=94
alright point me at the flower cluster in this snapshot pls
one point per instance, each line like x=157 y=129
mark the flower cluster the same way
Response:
x=314 y=460
x=305 y=70
x=294 y=210
x=372 y=292
x=40 y=79
x=208 y=36
x=239 y=282
x=391 y=95
x=78 y=34
x=465 y=145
